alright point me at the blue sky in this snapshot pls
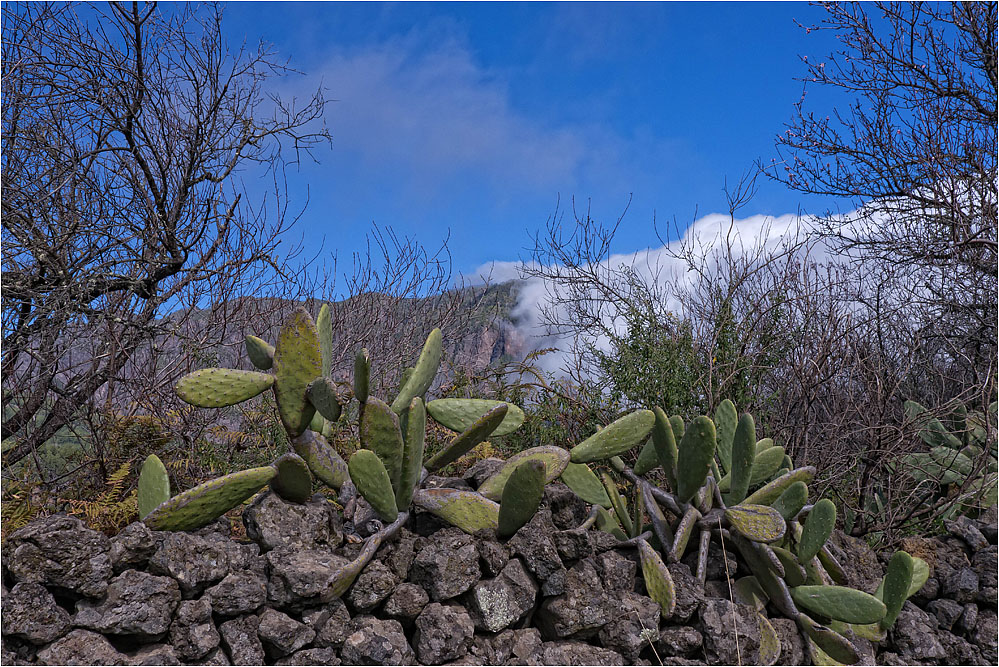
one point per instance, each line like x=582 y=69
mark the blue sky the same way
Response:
x=473 y=119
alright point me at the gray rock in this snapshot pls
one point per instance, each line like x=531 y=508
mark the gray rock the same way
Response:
x=443 y=633
x=375 y=583
x=374 y=642
x=573 y=544
x=298 y=578
x=405 y=603
x=946 y=612
x=494 y=557
x=192 y=632
x=133 y=546
x=930 y=591
x=137 y=604
x=195 y=561
x=984 y=636
x=633 y=627
x=439 y=482
x=575 y=653
x=716 y=589
x=716 y=625
x=448 y=566
x=154 y=654
x=81 y=647
x=398 y=554
x=311 y=656
x=914 y=635
x=482 y=470
x=31 y=613
x=568 y=510
x=716 y=564
x=514 y=647
x=960 y=651
x=581 y=610
x=965 y=529
x=968 y=619
x=680 y=642
x=282 y=634
x=988 y=523
x=863 y=571
x=601 y=541
x=60 y=552
x=215 y=657
x=792 y=646
x=238 y=593
x=986 y=564
x=534 y=544
x=272 y=522
x=616 y=570
x=689 y=593
x=960 y=585
x=240 y=640
x=330 y=623
x=496 y=604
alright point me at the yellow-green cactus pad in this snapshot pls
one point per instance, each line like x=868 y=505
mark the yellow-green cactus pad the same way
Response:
x=322 y=394
x=464 y=509
x=324 y=462
x=154 y=485
x=206 y=502
x=771 y=491
x=555 y=460
x=324 y=325
x=758 y=523
x=412 y=453
x=920 y=573
x=379 y=432
x=368 y=474
x=260 y=352
x=769 y=642
x=221 y=387
x=423 y=374
x=521 y=496
x=585 y=484
x=683 y=532
x=615 y=438
x=658 y=580
x=726 y=419
x=293 y=481
x=458 y=414
x=839 y=603
x=296 y=363
x=480 y=429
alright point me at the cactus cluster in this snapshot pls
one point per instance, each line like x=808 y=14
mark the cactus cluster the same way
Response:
x=724 y=484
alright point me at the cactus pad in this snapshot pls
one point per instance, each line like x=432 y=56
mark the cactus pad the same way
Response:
x=522 y=494
x=362 y=375
x=379 y=432
x=757 y=522
x=321 y=458
x=615 y=438
x=458 y=414
x=839 y=603
x=423 y=374
x=220 y=387
x=792 y=500
x=293 y=481
x=260 y=352
x=726 y=420
x=296 y=364
x=554 y=459
x=833 y=644
x=585 y=484
x=154 y=485
x=324 y=326
x=742 y=456
x=747 y=590
x=895 y=587
x=771 y=491
x=206 y=502
x=322 y=395
x=658 y=581
x=343 y=578
x=368 y=474
x=769 y=642
x=480 y=429
x=920 y=573
x=817 y=529
x=463 y=509
x=696 y=451
x=412 y=453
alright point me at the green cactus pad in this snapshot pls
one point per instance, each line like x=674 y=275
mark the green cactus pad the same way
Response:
x=684 y=530
x=726 y=419
x=771 y=491
x=816 y=530
x=769 y=642
x=154 y=485
x=647 y=459
x=664 y=440
x=792 y=500
x=742 y=457
x=696 y=451
x=412 y=453
x=463 y=509
x=794 y=573
x=480 y=429
x=362 y=374
x=833 y=644
x=324 y=325
x=658 y=581
x=368 y=474
x=895 y=587
x=607 y=522
x=676 y=423
x=831 y=565
x=839 y=603
x=931 y=430
x=324 y=462
x=941 y=464
x=585 y=484
x=296 y=364
x=615 y=438
x=766 y=465
x=423 y=373
x=206 y=502
x=458 y=414
x=379 y=431
x=342 y=579
x=618 y=504
x=322 y=395
x=522 y=494
x=260 y=352
x=220 y=387
x=555 y=460
x=920 y=573
x=293 y=481
x=758 y=523
x=747 y=590
x=763 y=445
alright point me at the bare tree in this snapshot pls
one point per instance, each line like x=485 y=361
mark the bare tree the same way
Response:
x=125 y=133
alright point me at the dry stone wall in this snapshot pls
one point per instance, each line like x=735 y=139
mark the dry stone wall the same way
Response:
x=551 y=595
